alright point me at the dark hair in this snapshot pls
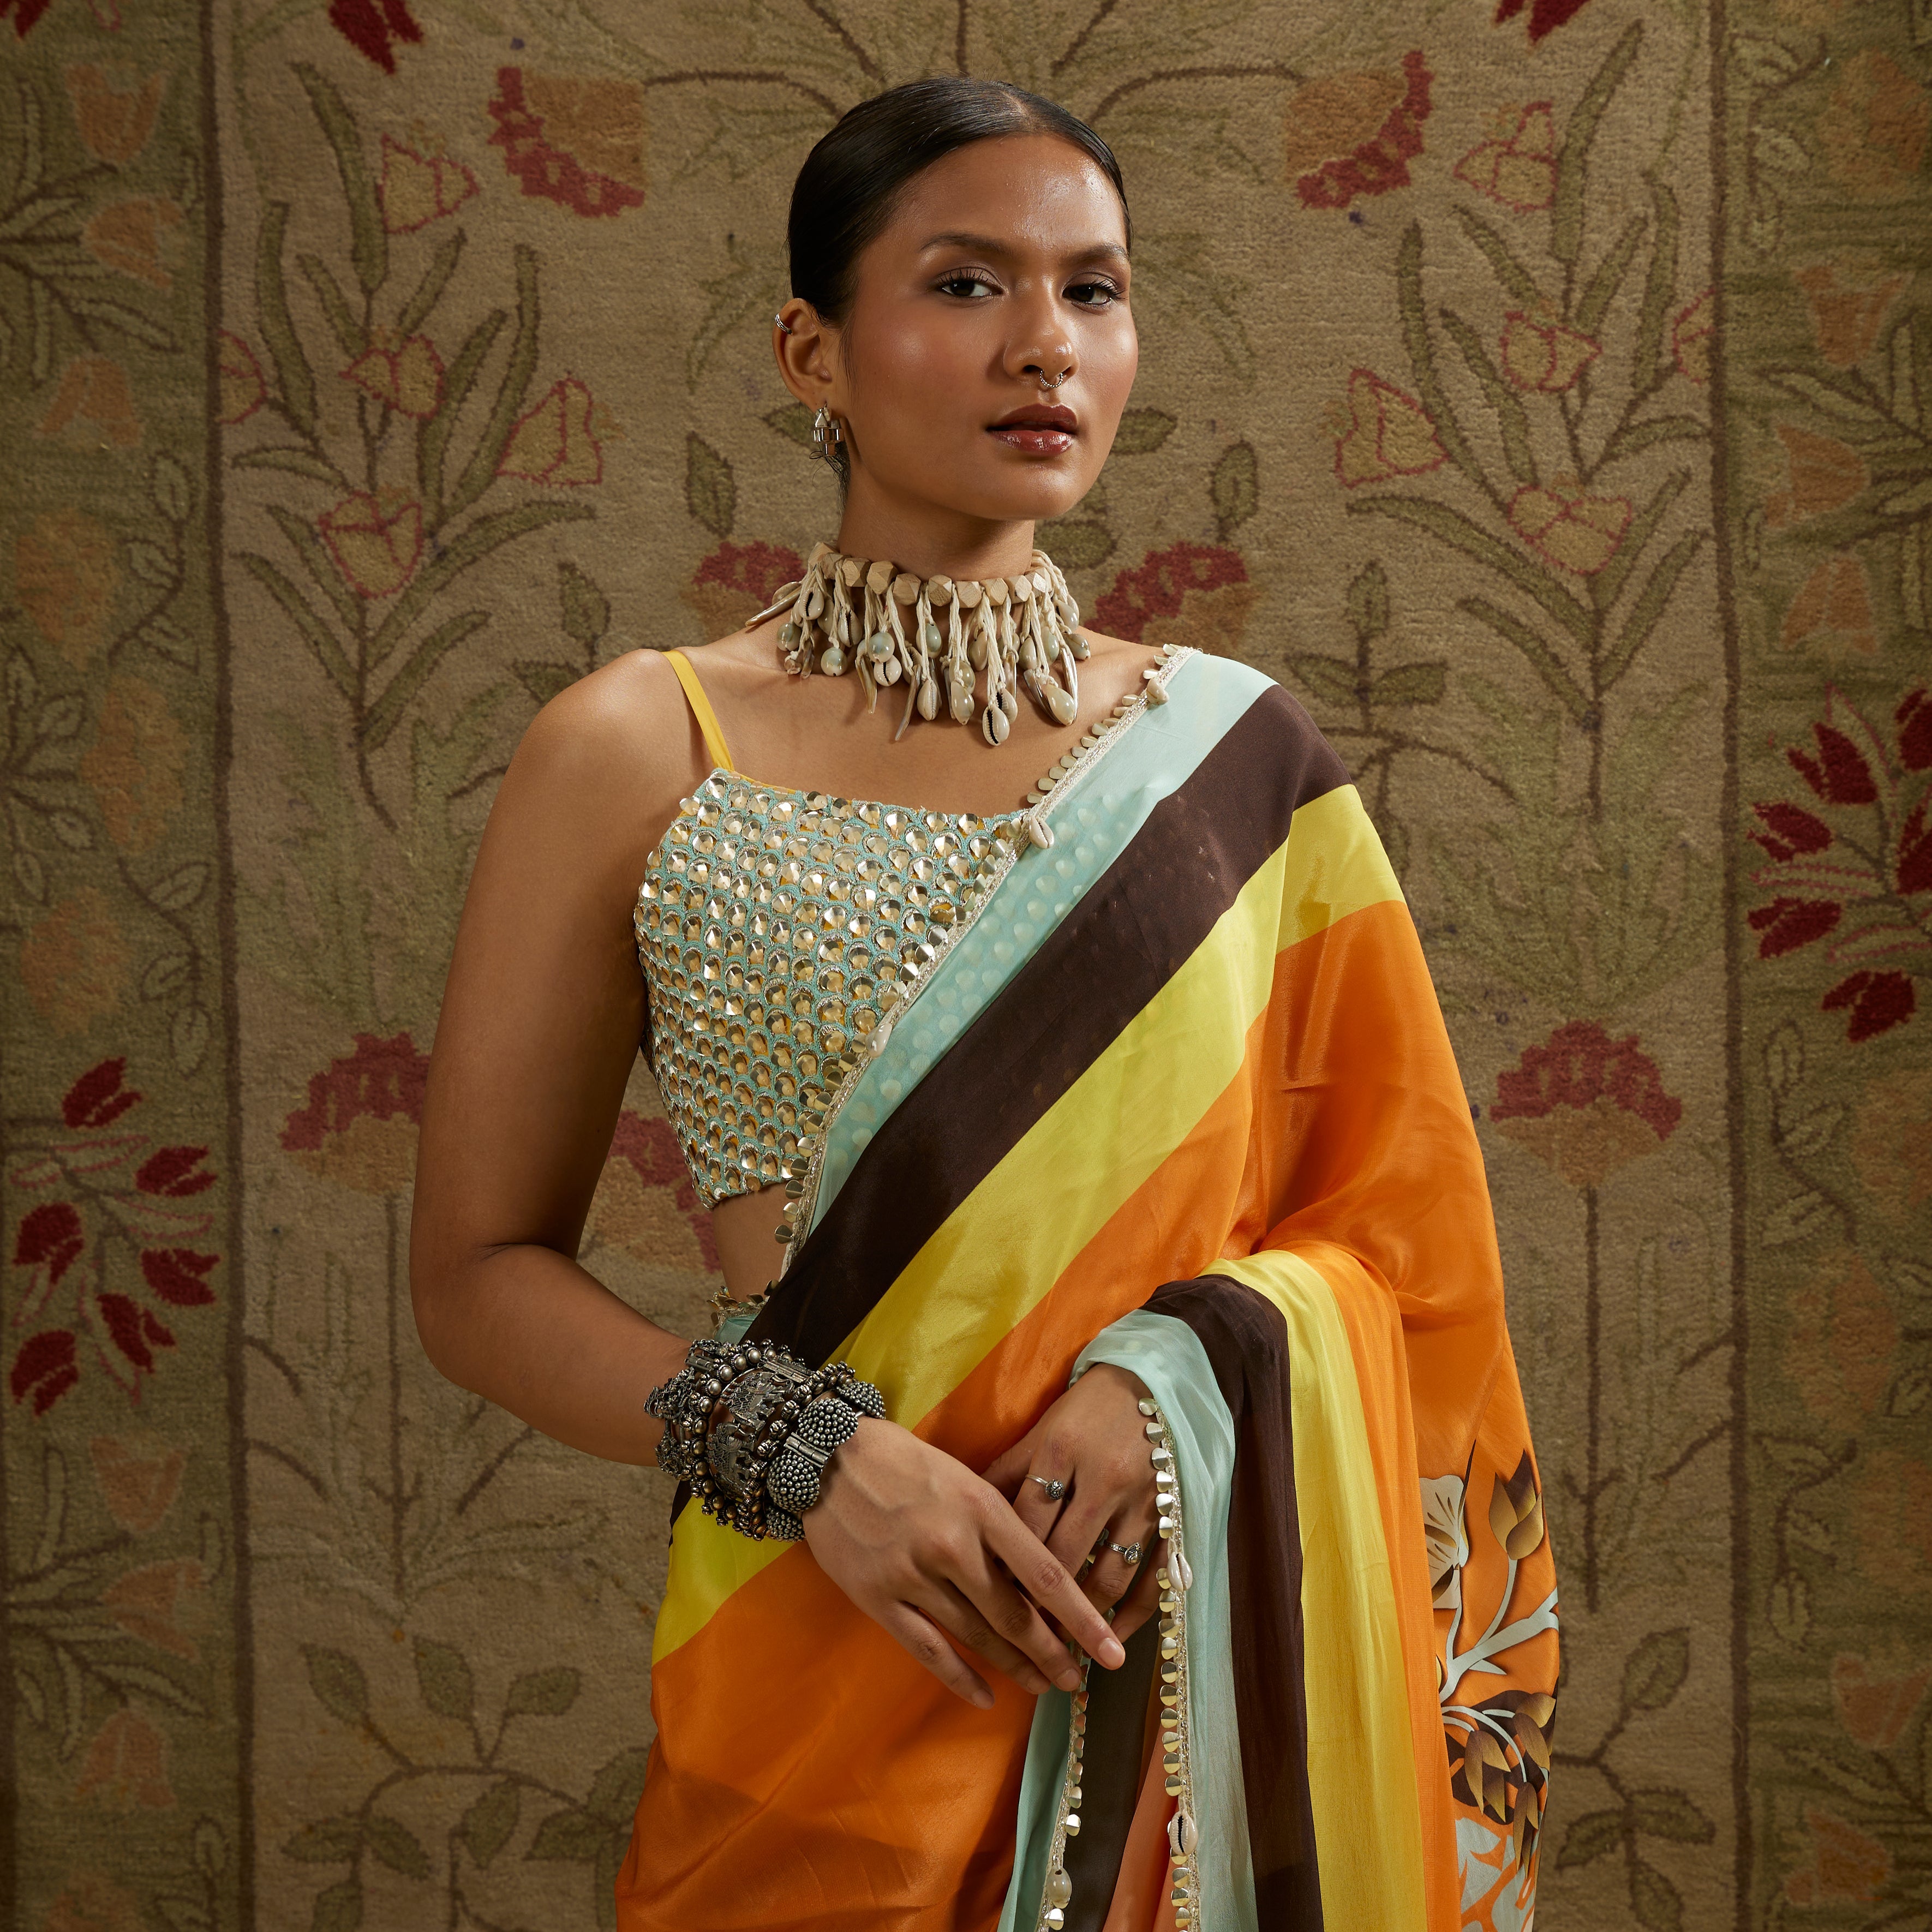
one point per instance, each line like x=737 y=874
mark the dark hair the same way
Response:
x=845 y=193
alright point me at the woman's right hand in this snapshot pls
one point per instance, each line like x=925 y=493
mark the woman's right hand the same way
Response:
x=930 y=1551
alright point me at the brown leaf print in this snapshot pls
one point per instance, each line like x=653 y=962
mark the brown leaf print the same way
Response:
x=1873 y=127
x=1850 y=297
x=1842 y=1338
x=74 y=962
x=94 y=406
x=1832 y=613
x=140 y=1476
x=66 y=572
x=1516 y=1512
x=127 y=1766
x=115 y=111
x=134 y=766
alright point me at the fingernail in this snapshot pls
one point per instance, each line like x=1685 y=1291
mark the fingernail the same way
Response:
x=1111 y=1654
x=1069 y=1680
x=983 y=1698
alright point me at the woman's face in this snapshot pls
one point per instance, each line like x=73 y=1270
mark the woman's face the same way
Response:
x=1004 y=262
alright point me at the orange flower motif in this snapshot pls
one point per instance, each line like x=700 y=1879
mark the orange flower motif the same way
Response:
x=1564 y=526
x=65 y=574
x=1350 y=134
x=1690 y=336
x=1891 y=1143
x=148 y=1604
x=554 y=442
x=1826 y=474
x=578 y=142
x=139 y=1475
x=408 y=379
x=94 y=390
x=134 y=766
x=127 y=1765
x=1846 y=1863
x=375 y=545
x=1891 y=1512
x=1518 y=167
x=1833 y=613
x=132 y=237
x=1842 y=1337
x=74 y=962
x=1389 y=433
x=93 y=1905
x=1848 y=307
x=1876 y=1710
x=359 y=1127
x=242 y=387
x=115 y=121
x=418 y=189
x=1544 y=355
x=1873 y=128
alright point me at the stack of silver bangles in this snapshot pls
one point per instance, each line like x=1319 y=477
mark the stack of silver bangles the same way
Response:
x=759 y=1466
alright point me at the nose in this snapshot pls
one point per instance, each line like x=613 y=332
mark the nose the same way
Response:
x=1041 y=349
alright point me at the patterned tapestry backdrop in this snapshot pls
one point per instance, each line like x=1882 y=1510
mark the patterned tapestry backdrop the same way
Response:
x=1544 y=394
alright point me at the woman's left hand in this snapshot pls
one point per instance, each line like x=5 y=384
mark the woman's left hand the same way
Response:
x=1093 y=1443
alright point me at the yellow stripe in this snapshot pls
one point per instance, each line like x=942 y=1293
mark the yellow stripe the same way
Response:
x=700 y=710
x=1001 y=1250
x=1361 y=1760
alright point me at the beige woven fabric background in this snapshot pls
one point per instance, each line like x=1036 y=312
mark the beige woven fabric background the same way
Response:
x=1546 y=400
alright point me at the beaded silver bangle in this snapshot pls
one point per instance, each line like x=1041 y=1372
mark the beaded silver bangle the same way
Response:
x=750 y=1429
x=1174 y=1578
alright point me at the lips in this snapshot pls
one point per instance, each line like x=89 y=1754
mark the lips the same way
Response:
x=1038 y=429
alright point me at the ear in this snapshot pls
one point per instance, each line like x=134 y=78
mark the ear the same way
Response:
x=807 y=357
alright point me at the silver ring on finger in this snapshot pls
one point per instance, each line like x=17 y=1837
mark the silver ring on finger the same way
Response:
x=1055 y=1488
x=1129 y=1553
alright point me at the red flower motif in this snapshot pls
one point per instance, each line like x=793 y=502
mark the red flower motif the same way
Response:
x=1914 y=719
x=1545 y=16
x=1877 y=1002
x=1839 y=774
x=374 y=27
x=652 y=1150
x=756 y=568
x=1788 y=923
x=418 y=189
x=1793 y=830
x=376 y=549
x=1389 y=433
x=546 y=127
x=44 y=1369
x=173 y=1171
x=97 y=1098
x=1517 y=169
x=1585 y=1103
x=26 y=15
x=179 y=1276
x=409 y=378
x=1915 y=852
x=50 y=1238
x=1162 y=579
x=554 y=443
x=359 y=1126
x=242 y=387
x=134 y=1331
x=1373 y=166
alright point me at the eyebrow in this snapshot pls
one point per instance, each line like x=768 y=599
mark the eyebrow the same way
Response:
x=986 y=245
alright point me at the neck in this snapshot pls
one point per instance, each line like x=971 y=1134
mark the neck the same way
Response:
x=929 y=539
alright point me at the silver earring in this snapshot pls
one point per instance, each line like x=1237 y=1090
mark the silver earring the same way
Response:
x=826 y=434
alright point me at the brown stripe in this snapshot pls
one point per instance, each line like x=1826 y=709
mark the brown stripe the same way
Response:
x=1113 y=1759
x=1246 y=1342
x=1142 y=921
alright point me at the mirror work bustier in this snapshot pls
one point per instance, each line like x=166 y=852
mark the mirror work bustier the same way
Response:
x=775 y=928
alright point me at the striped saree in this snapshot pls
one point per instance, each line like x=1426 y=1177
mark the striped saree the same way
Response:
x=1178 y=1097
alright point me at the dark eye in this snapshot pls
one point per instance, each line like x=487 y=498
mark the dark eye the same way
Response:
x=1093 y=295
x=964 y=287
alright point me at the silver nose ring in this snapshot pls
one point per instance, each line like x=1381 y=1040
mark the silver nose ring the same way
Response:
x=1054 y=381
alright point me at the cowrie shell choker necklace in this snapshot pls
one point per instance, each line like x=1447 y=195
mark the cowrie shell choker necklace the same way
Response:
x=936 y=636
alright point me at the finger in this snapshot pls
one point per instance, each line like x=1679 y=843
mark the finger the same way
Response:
x=1082 y=1523
x=1050 y=1584
x=1009 y=1467
x=1012 y=1619
x=1034 y=1502
x=925 y=1644
x=954 y=1613
x=1143 y=1593
x=1113 y=1573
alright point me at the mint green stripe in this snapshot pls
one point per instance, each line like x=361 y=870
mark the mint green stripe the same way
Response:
x=1157 y=755
x=1167 y=1357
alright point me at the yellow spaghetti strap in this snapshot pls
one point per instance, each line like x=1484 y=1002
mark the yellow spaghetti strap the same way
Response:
x=700 y=710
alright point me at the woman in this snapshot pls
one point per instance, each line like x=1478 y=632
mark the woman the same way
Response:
x=1112 y=1141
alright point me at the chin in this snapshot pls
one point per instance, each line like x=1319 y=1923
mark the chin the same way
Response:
x=1037 y=497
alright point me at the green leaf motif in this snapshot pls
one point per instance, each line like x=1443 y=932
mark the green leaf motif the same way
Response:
x=325 y=1841
x=1805 y=1463
x=1648 y=433
x=294 y=379
x=369 y=246
x=1076 y=543
x=433 y=436
x=387 y=712
x=443 y=1679
x=568 y=1837
x=1512 y=419
x=339 y=1908
x=1234 y=488
x=1654 y=1900
x=584 y=609
x=710 y=490
x=615 y=1790
x=1601 y=289
x=1573 y=158
x=543 y=679
x=792 y=420
x=1589 y=1837
x=343 y=322
x=1648 y=368
x=296 y=462
x=1517 y=281
x=480 y=472
x=1369 y=603
x=1142 y=431
x=397 y=1847
x=338 y=1683
x=1670 y=1814
x=1654 y=1671
x=174 y=494
x=1850 y=1778
x=429 y=291
x=1424 y=682
x=543 y=1693
x=486 y=1826
x=1330 y=680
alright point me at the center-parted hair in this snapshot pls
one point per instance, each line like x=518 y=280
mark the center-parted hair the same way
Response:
x=845 y=192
